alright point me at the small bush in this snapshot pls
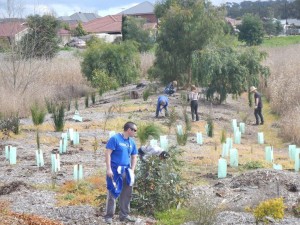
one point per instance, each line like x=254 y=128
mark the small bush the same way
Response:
x=93 y=97
x=210 y=127
x=50 y=105
x=159 y=184
x=202 y=211
x=271 y=208
x=11 y=123
x=69 y=105
x=76 y=104
x=144 y=132
x=59 y=117
x=146 y=94
x=86 y=101
x=172 y=117
x=38 y=114
x=223 y=136
x=252 y=165
x=181 y=138
x=296 y=208
x=187 y=120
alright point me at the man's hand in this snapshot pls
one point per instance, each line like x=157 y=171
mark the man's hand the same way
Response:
x=255 y=107
x=109 y=173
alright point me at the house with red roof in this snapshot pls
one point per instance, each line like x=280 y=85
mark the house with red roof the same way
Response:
x=13 y=31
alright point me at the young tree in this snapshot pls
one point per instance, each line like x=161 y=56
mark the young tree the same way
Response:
x=41 y=41
x=133 y=29
x=228 y=70
x=251 y=30
x=185 y=26
x=79 y=31
x=118 y=61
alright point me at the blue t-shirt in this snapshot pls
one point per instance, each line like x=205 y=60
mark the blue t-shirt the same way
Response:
x=122 y=149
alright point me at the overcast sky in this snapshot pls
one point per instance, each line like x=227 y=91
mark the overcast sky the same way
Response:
x=68 y=7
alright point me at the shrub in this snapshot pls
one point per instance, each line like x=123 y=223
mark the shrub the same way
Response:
x=173 y=116
x=252 y=165
x=93 y=97
x=181 y=138
x=86 y=101
x=103 y=82
x=59 y=117
x=144 y=132
x=146 y=94
x=210 y=127
x=188 y=125
x=296 y=208
x=159 y=184
x=223 y=136
x=38 y=114
x=271 y=208
x=120 y=62
x=202 y=211
x=50 y=105
x=76 y=104
x=11 y=123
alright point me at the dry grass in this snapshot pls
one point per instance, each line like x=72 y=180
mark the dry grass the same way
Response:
x=83 y=192
x=38 y=79
x=283 y=89
x=147 y=60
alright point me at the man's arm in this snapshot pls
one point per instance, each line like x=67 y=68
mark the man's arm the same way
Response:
x=133 y=162
x=109 y=172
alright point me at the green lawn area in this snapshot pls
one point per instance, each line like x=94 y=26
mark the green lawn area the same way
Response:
x=281 y=41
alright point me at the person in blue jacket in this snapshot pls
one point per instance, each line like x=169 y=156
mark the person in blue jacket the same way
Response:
x=162 y=103
x=120 y=158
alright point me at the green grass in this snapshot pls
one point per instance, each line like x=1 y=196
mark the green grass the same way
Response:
x=171 y=217
x=281 y=41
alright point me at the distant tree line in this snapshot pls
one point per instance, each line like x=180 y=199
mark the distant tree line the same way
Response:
x=280 y=9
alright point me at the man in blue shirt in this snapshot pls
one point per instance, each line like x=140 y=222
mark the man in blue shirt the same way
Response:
x=162 y=103
x=120 y=159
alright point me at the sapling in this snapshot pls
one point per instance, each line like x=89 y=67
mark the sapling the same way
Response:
x=58 y=117
x=76 y=104
x=146 y=94
x=93 y=97
x=146 y=131
x=86 y=101
x=38 y=116
x=171 y=119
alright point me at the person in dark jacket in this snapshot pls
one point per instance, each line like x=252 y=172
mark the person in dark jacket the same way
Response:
x=257 y=106
x=162 y=103
x=171 y=88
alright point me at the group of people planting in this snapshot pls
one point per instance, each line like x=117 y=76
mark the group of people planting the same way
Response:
x=121 y=153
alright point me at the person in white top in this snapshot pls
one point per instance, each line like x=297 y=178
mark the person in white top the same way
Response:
x=193 y=98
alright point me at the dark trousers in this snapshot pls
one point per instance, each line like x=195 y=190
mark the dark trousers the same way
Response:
x=194 y=109
x=124 y=201
x=258 y=115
